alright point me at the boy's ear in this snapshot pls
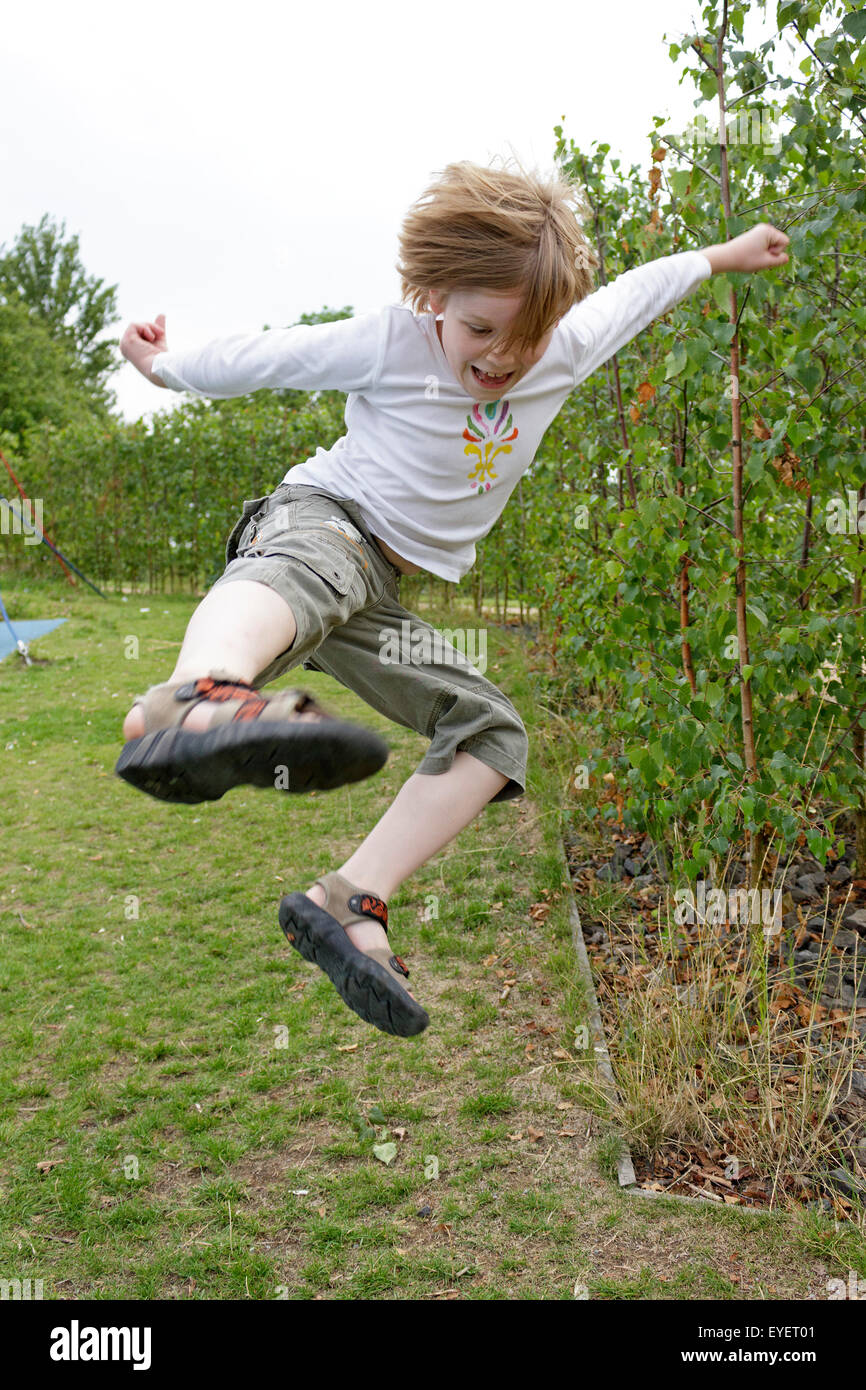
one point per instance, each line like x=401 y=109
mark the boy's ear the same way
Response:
x=436 y=301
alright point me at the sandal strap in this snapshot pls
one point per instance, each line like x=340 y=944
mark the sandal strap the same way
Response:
x=167 y=705
x=368 y=905
x=395 y=965
x=221 y=691
x=350 y=904
x=357 y=902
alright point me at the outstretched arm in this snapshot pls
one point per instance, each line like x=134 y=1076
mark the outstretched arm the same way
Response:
x=343 y=355
x=606 y=320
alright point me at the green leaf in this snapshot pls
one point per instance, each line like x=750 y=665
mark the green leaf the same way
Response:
x=386 y=1153
x=802 y=430
x=698 y=350
x=818 y=844
x=676 y=361
x=721 y=333
x=720 y=289
x=855 y=24
x=679 y=181
x=376 y=1115
x=755 y=468
x=788 y=10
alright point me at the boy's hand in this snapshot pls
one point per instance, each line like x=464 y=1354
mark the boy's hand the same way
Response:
x=140 y=344
x=760 y=248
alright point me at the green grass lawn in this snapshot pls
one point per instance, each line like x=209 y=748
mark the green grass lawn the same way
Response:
x=187 y=1109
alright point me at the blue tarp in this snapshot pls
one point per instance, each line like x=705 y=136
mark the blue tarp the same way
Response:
x=26 y=631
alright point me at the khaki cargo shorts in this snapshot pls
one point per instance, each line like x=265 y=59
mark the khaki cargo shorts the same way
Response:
x=316 y=553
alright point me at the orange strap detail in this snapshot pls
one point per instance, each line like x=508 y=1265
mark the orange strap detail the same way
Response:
x=373 y=907
x=223 y=691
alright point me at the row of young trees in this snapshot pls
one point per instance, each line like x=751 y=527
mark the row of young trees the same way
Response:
x=712 y=600
x=148 y=505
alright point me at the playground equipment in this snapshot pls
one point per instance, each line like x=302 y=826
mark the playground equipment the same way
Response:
x=19 y=642
x=11 y=638
x=19 y=637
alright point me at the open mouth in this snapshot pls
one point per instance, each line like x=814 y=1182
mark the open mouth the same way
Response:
x=491 y=383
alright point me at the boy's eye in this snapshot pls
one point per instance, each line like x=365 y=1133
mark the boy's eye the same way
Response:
x=474 y=329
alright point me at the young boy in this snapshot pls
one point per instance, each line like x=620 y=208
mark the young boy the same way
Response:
x=448 y=398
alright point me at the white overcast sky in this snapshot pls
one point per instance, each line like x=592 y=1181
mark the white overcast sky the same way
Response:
x=232 y=165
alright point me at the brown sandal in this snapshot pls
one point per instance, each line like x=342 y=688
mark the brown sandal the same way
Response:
x=373 y=983
x=252 y=740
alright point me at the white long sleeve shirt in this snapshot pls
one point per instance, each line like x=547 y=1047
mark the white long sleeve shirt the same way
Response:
x=430 y=468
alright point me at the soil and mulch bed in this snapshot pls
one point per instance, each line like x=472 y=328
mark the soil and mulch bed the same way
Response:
x=816 y=987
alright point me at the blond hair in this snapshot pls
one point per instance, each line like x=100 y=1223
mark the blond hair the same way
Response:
x=478 y=228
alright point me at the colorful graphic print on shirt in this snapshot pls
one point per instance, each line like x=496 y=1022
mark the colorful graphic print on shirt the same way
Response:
x=489 y=432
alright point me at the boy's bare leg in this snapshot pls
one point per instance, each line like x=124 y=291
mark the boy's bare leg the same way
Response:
x=427 y=813
x=238 y=627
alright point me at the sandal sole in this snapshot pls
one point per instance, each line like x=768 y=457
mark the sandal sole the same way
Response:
x=360 y=981
x=179 y=765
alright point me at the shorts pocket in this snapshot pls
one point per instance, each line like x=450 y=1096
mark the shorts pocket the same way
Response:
x=295 y=530
x=328 y=562
x=268 y=534
x=251 y=506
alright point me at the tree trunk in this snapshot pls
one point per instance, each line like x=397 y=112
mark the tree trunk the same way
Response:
x=685 y=561
x=758 y=845
x=859 y=730
x=616 y=391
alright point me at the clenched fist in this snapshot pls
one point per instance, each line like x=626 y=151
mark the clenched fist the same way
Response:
x=760 y=248
x=142 y=342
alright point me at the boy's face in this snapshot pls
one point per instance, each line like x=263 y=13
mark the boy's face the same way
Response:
x=472 y=319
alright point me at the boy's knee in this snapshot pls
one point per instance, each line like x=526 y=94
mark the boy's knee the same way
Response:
x=487 y=726
x=504 y=745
